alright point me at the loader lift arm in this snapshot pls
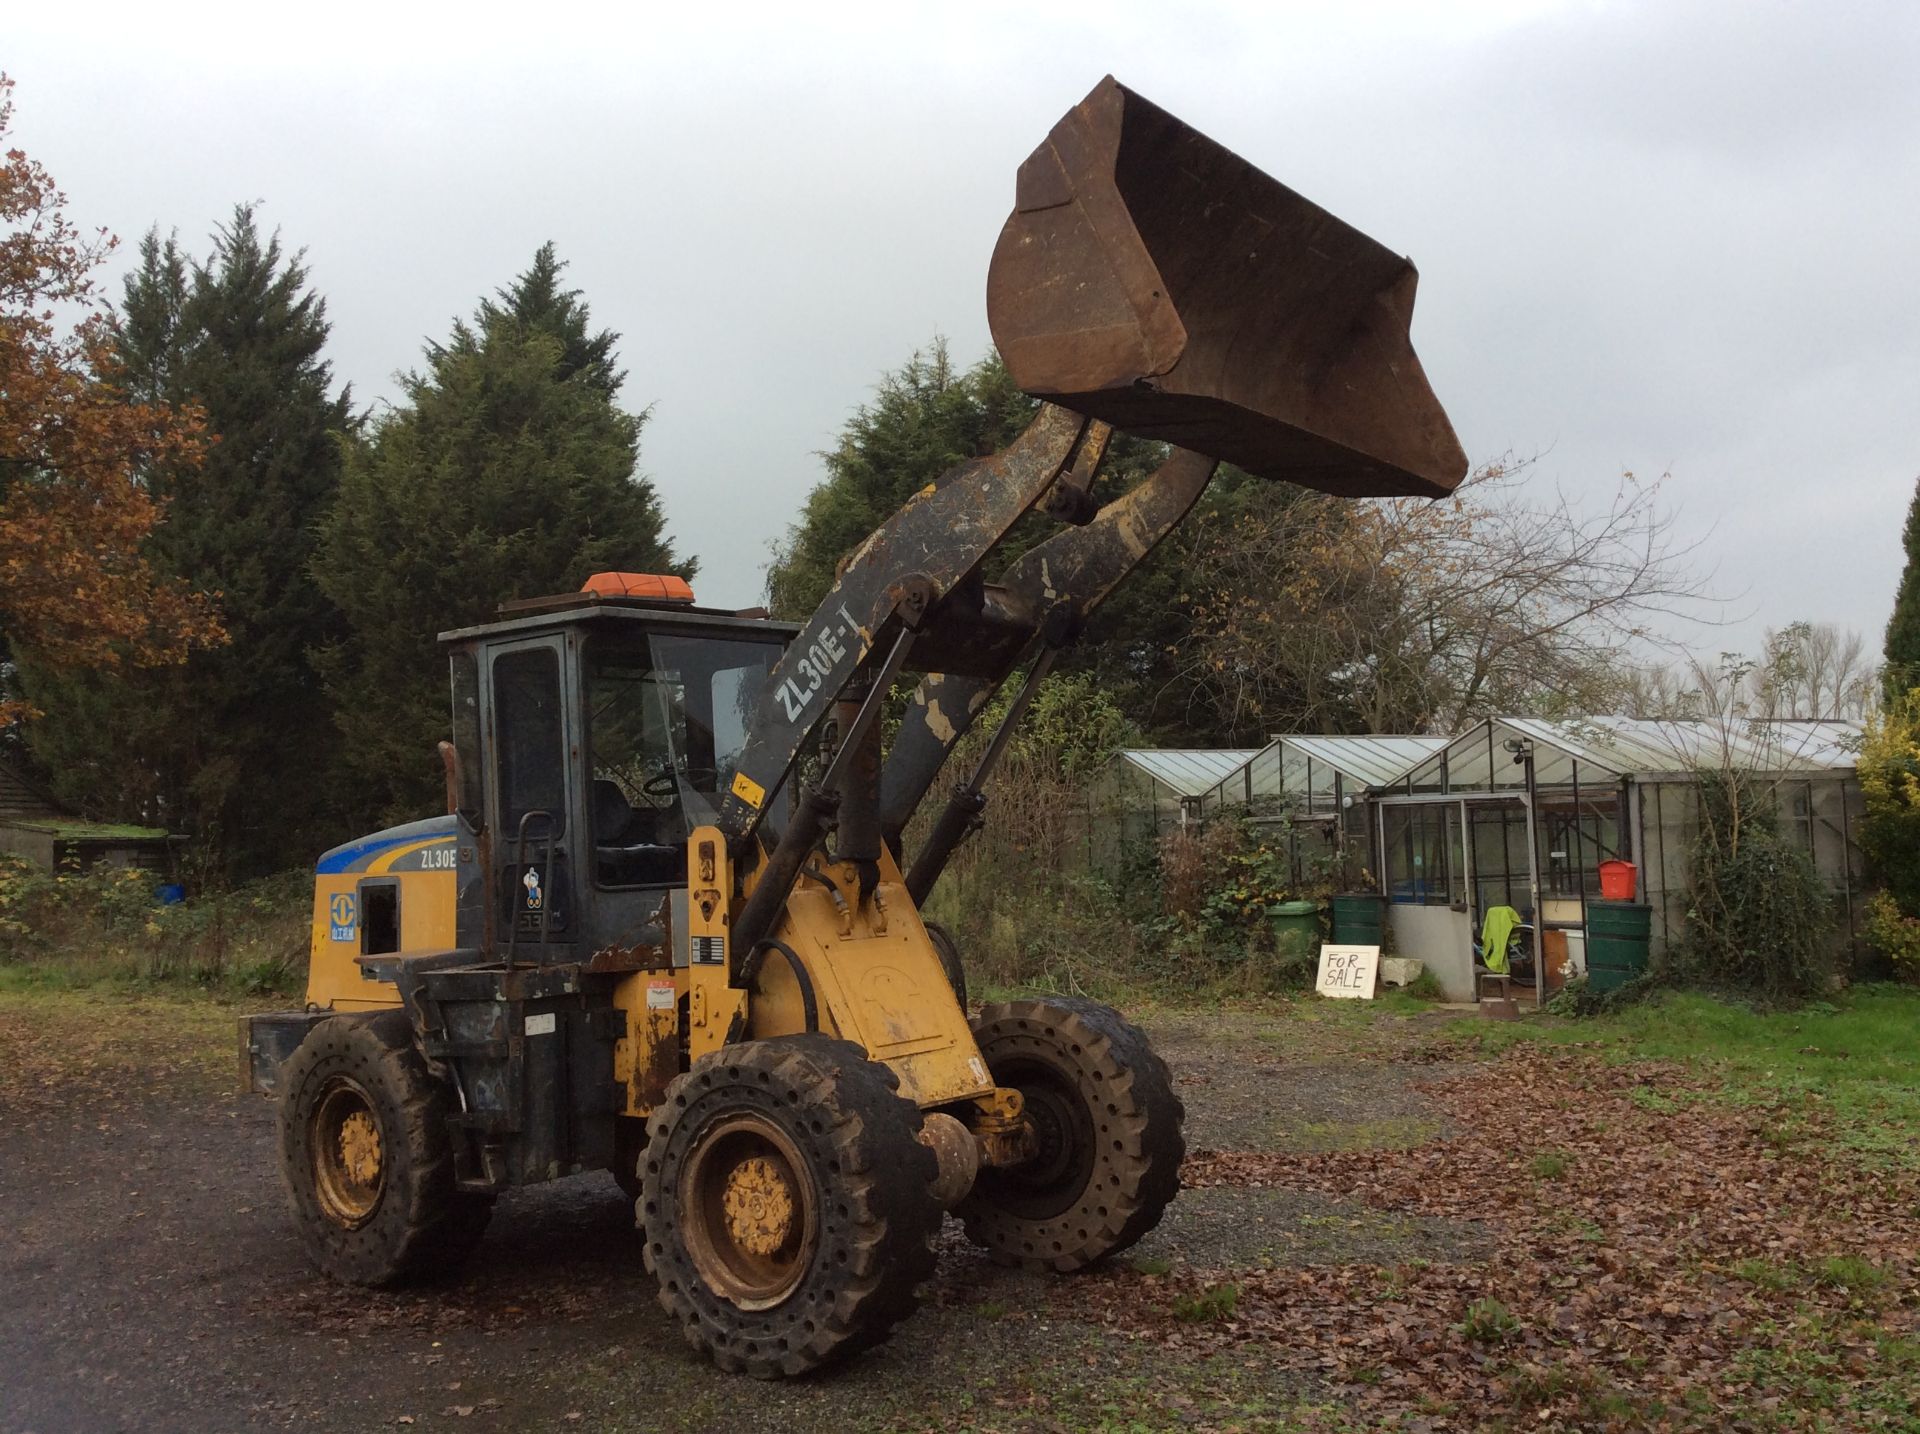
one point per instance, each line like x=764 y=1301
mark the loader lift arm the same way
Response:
x=1071 y=574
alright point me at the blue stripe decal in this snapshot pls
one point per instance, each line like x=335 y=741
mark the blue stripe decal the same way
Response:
x=356 y=854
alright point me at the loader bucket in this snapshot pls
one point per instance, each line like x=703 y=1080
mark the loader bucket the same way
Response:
x=1153 y=279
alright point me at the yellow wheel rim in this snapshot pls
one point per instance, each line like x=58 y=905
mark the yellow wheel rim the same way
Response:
x=349 y=1155
x=747 y=1211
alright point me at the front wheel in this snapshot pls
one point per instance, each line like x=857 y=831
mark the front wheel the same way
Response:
x=366 y=1157
x=1107 y=1128
x=786 y=1200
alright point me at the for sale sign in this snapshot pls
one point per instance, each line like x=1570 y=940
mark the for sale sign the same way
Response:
x=1348 y=971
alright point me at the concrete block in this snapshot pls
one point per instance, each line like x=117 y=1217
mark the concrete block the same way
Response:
x=1400 y=970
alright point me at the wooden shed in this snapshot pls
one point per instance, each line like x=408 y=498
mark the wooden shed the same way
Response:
x=34 y=826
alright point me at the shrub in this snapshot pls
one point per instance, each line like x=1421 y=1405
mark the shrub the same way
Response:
x=106 y=924
x=1425 y=986
x=1889 y=771
x=1893 y=933
x=1192 y=860
x=1760 y=917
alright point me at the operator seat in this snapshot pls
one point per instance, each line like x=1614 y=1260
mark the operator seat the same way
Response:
x=633 y=847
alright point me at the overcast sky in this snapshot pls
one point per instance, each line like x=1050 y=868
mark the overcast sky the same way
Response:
x=1664 y=237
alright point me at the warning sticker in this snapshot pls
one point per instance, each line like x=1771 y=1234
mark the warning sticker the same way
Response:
x=660 y=995
x=748 y=790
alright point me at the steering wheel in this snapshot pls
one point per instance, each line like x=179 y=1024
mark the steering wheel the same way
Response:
x=665 y=786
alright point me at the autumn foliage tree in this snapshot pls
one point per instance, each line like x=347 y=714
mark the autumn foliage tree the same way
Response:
x=242 y=335
x=76 y=590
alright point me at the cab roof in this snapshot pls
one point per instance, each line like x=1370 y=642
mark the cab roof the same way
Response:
x=601 y=609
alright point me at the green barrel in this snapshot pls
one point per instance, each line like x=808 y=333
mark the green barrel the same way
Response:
x=1296 y=926
x=1357 y=919
x=1617 y=937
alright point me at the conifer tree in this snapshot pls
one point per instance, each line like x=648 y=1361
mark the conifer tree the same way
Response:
x=1902 y=670
x=509 y=471
x=231 y=748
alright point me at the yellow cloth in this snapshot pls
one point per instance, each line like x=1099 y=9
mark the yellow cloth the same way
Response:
x=1496 y=933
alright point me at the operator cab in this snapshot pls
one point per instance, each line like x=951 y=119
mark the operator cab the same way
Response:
x=593 y=732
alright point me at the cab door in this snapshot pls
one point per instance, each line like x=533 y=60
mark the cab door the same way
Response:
x=534 y=834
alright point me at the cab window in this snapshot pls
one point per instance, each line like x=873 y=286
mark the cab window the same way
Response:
x=667 y=719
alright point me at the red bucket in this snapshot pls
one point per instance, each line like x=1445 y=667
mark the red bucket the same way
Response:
x=1616 y=880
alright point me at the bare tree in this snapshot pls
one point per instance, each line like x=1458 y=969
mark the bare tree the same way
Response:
x=1806 y=671
x=1659 y=691
x=1408 y=615
x=1812 y=670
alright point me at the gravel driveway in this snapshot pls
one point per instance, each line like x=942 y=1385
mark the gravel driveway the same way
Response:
x=152 y=1282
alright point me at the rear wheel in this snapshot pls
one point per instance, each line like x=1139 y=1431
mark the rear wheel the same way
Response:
x=366 y=1158
x=1107 y=1127
x=785 y=1195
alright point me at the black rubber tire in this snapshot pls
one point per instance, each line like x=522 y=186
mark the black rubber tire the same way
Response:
x=1110 y=1131
x=859 y=1141
x=629 y=1145
x=422 y=1225
x=948 y=951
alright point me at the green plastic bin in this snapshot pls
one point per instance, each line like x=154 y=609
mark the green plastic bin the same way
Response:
x=1359 y=918
x=1296 y=926
x=1618 y=933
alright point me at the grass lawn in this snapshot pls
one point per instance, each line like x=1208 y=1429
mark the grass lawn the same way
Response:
x=1851 y=1064
x=57 y=1034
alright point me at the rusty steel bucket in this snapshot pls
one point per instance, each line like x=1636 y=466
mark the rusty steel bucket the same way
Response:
x=1153 y=279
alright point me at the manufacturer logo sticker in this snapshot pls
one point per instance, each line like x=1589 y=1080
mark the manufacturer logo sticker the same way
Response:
x=342 y=917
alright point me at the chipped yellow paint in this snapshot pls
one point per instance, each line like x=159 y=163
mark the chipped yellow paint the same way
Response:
x=647 y=1057
x=938 y=723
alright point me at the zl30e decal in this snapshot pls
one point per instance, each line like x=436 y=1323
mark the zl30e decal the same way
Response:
x=824 y=653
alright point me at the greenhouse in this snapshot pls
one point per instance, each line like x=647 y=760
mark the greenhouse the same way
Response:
x=1522 y=813
x=1313 y=790
x=1141 y=794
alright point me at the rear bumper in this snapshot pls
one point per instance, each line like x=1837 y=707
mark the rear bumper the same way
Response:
x=265 y=1043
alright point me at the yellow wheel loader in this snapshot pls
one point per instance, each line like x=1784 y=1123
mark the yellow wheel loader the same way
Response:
x=668 y=925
